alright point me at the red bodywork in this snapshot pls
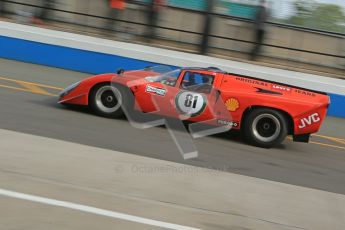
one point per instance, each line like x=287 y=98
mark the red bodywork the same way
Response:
x=227 y=103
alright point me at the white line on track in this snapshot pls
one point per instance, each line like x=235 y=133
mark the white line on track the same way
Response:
x=97 y=211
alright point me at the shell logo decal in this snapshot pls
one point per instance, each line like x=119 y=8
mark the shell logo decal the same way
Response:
x=232 y=104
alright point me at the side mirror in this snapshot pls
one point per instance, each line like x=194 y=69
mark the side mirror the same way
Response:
x=148 y=68
x=120 y=72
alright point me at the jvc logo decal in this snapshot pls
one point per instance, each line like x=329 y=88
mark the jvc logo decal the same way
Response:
x=308 y=121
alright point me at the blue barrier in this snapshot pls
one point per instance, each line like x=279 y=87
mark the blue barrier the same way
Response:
x=66 y=58
x=337 y=108
x=94 y=62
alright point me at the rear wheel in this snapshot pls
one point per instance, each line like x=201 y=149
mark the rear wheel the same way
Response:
x=109 y=100
x=265 y=127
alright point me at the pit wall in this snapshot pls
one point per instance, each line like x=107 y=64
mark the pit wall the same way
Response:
x=223 y=27
x=95 y=55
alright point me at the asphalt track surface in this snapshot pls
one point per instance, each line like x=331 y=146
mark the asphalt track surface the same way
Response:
x=33 y=109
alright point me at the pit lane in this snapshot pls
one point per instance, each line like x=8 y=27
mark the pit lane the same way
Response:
x=28 y=105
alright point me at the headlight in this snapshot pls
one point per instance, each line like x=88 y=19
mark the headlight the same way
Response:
x=69 y=89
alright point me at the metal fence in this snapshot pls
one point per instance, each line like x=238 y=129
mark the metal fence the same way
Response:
x=227 y=35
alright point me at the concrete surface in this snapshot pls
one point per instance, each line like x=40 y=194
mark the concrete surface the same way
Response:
x=141 y=186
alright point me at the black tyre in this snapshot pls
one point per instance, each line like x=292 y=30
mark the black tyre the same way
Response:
x=109 y=100
x=265 y=127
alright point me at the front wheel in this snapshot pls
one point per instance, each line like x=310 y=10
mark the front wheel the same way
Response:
x=108 y=100
x=265 y=127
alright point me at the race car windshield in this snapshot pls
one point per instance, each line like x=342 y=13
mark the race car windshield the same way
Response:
x=153 y=70
x=167 y=78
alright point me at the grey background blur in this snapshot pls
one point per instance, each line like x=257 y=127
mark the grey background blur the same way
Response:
x=181 y=25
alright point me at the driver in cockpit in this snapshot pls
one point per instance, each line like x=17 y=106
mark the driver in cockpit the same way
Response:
x=207 y=80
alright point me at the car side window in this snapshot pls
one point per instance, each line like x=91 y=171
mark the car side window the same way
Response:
x=197 y=82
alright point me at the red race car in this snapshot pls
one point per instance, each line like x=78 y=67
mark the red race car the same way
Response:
x=265 y=111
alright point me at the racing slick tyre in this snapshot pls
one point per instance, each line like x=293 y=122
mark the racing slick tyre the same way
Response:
x=265 y=127
x=110 y=100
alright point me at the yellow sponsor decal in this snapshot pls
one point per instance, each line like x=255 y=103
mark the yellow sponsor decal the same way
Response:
x=232 y=104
